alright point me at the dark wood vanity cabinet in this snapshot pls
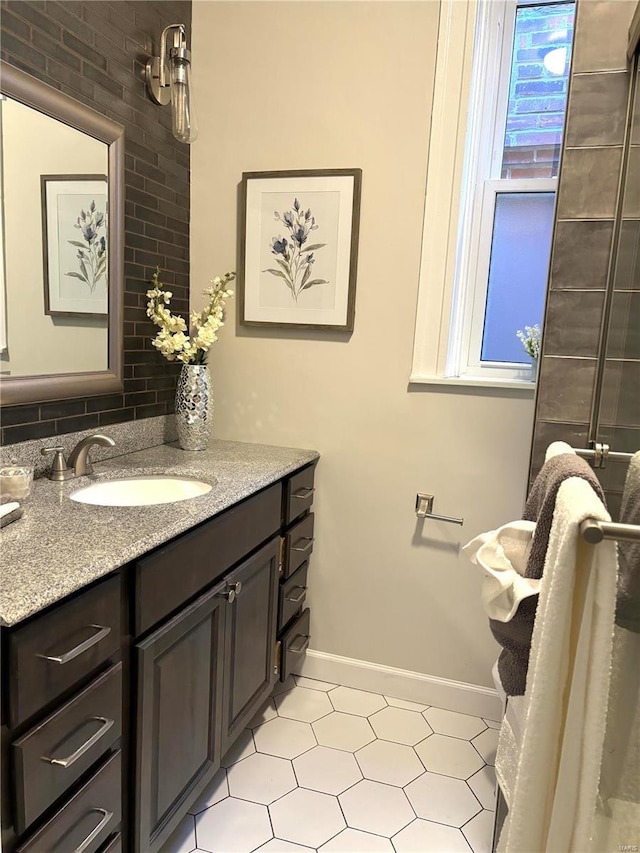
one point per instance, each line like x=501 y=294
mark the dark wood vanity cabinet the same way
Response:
x=120 y=702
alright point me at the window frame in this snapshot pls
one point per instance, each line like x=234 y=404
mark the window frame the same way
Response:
x=461 y=183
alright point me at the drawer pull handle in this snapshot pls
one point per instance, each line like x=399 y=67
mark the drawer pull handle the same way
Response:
x=296 y=598
x=304 y=548
x=301 y=644
x=303 y=494
x=106 y=817
x=82 y=647
x=80 y=751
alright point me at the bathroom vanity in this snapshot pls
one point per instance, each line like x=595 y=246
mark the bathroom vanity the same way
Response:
x=138 y=642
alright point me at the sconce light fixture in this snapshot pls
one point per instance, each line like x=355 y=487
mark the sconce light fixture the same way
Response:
x=168 y=79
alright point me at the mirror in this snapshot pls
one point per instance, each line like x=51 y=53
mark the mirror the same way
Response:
x=61 y=270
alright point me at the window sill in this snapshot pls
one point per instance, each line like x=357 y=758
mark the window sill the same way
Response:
x=522 y=385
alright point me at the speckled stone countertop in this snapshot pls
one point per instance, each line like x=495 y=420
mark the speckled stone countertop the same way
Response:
x=59 y=545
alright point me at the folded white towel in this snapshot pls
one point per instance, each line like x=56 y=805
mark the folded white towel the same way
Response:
x=502 y=554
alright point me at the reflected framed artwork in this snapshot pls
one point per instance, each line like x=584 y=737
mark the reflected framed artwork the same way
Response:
x=299 y=248
x=74 y=239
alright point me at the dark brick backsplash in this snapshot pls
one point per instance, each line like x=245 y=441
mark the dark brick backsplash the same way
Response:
x=94 y=51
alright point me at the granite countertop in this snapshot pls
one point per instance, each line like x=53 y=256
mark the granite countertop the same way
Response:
x=59 y=545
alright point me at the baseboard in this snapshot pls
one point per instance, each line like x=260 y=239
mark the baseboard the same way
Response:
x=402 y=684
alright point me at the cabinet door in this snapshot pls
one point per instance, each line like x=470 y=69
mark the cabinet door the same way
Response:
x=250 y=640
x=178 y=716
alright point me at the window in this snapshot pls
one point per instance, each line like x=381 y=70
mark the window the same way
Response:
x=508 y=135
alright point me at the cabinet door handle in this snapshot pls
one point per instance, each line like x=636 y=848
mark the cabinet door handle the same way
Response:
x=308 y=539
x=106 y=817
x=296 y=598
x=301 y=644
x=81 y=647
x=80 y=751
x=232 y=591
x=303 y=494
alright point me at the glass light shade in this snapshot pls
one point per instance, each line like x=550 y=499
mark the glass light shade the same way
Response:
x=183 y=116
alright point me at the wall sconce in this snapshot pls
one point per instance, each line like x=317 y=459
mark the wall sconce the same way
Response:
x=168 y=79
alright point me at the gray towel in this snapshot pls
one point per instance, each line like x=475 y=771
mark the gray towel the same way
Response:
x=515 y=636
x=628 y=602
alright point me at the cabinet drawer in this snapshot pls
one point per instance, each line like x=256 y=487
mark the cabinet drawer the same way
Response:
x=74 y=738
x=295 y=642
x=58 y=649
x=299 y=545
x=176 y=572
x=292 y=594
x=299 y=493
x=87 y=819
x=113 y=846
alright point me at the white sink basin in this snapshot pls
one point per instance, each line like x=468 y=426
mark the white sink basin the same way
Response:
x=141 y=491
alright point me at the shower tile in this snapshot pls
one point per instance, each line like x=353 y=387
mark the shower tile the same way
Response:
x=589 y=183
x=627 y=273
x=620 y=397
x=597 y=109
x=624 y=328
x=581 y=252
x=565 y=389
x=545 y=433
x=572 y=322
x=601 y=35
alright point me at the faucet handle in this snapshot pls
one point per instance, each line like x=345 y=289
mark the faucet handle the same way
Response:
x=59 y=469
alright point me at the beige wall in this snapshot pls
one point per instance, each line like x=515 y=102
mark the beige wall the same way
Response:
x=34 y=144
x=291 y=85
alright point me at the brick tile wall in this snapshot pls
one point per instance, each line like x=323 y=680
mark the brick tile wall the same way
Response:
x=95 y=51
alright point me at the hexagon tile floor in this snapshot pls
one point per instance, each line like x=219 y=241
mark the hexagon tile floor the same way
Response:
x=335 y=770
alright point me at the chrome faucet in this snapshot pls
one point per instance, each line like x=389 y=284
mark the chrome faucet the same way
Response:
x=78 y=464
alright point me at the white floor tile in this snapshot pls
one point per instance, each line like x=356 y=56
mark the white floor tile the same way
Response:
x=449 y=756
x=454 y=724
x=493 y=724
x=329 y=771
x=356 y=841
x=486 y=744
x=283 y=686
x=243 y=747
x=343 y=731
x=306 y=817
x=261 y=778
x=376 y=808
x=284 y=738
x=391 y=763
x=276 y=845
x=442 y=799
x=233 y=826
x=479 y=832
x=423 y=836
x=263 y=716
x=403 y=703
x=357 y=702
x=217 y=790
x=183 y=838
x=303 y=704
x=483 y=785
x=400 y=725
x=313 y=684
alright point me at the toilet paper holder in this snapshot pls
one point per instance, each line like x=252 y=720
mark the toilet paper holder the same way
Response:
x=424 y=509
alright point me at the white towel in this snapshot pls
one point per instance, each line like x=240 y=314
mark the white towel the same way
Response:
x=502 y=555
x=548 y=770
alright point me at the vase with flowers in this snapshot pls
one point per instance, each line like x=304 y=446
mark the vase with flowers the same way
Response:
x=530 y=340
x=176 y=342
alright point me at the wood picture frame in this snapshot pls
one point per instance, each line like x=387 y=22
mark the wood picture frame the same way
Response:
x=299 y=248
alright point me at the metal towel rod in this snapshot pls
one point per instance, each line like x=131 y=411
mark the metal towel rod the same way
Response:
x=594 y=531
x=601 y=454
x=424 y=509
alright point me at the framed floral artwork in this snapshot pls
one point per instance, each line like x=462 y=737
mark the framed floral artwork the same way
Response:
x=299 y=248
x=74 y=241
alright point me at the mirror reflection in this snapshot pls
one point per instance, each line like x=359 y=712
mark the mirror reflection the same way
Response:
x=54 y=306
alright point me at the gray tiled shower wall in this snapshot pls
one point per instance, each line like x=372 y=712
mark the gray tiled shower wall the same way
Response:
x=94 y=51
x=582 y=243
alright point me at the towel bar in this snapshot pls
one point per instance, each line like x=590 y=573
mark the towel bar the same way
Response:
x=600 y=455
x=595 y=531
